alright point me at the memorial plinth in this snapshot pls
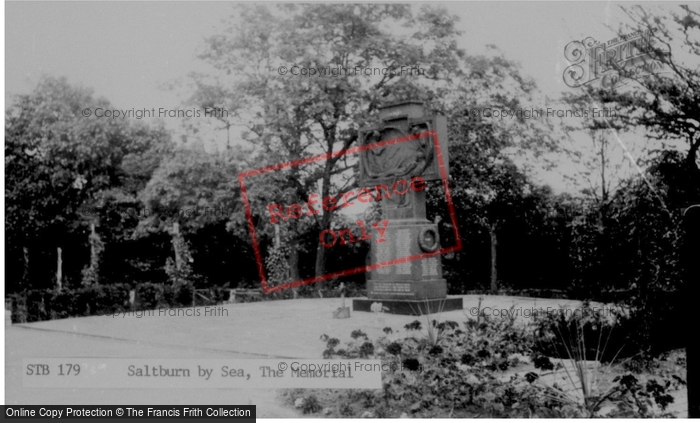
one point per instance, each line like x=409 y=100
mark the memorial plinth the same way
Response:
x=413 y=284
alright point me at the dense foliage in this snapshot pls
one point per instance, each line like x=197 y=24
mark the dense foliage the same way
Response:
x=484 y=368
x=106 y=300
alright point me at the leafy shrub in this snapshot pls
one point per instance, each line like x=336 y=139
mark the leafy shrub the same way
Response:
x=615 y=334
x=36 y=305
x=182 y=274
x=46 y=304
x=346 y=410
x=592 y=335
x=178 y=295
x=655 y=322
x=219 y=294
x=110 y=299
x=20 y=312
x=150 y=296
x=308 y=404
x=454 y=372
x=63 y=304
x=311 y=405
x=463 y=371
x=85 y=301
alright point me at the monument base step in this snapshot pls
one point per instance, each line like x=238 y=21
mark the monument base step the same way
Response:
x=410 y=307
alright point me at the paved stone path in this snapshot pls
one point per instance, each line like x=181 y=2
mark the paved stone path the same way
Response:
x=281 y=329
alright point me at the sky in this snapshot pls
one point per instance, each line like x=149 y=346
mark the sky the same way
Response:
x=129 y=51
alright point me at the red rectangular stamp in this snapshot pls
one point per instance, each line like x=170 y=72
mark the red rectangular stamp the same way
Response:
x=355 y=212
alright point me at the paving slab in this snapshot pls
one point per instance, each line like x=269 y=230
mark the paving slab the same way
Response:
x=284 y=329
x=275 y=329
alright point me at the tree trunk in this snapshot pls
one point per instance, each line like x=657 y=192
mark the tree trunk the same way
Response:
x=294 y=261
x=320 y=259
x=327 y=215
x=59 y=268
x=25 y=270
x=692 y=154
x=93 y=252
x=494 y=272
x=320 y=266
x=178 y=253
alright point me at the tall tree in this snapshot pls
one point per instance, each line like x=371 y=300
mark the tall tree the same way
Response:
x=113 y=214
x=363 y=55
x=57 y=159
x=667 y=104
x=489 y=154
x=188 y=191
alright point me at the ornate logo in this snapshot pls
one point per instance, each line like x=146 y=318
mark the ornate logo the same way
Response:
x=615 y=63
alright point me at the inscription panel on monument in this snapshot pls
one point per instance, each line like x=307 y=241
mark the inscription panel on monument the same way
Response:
x=382 y=254
x=403 y=249
x=430 y=266
x=395 y=288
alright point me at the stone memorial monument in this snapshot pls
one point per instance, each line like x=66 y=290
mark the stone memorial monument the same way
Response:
x=397 y=172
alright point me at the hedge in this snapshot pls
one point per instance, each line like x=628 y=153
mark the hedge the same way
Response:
x=47 y=304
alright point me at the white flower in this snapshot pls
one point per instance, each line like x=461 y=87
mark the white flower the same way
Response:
x=488 y=396
x=299 y=403
x=376 y=307
x=472 y=380
x=79 y=182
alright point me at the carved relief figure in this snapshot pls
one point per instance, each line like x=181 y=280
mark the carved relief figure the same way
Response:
x=394 y=162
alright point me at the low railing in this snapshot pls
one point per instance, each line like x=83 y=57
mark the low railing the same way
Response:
x=235 y=295
x=254 y=294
